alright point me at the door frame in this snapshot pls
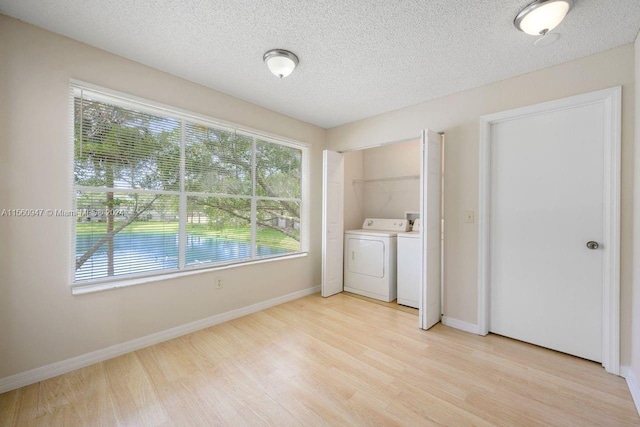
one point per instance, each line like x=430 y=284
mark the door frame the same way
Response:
x=611 y=101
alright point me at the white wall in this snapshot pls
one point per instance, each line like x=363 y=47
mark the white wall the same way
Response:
x=353 y=194
x=40 y=321
x=391 y=199
x=388 y=199
x=635 y=328
x=458 y=115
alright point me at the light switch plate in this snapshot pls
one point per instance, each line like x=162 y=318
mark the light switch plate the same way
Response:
x=469 y=216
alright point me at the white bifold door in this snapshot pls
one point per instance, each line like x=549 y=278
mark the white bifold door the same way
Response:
x=430 y=198
x=430 y=309
x=332 y=222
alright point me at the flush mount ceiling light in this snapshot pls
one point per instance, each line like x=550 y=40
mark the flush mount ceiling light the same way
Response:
x=542 y=16
x=280 y=62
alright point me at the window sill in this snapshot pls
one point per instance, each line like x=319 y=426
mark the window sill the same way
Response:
x=105 y=286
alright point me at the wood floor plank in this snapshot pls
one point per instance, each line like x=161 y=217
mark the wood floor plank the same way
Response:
x=130 y=387
x=341 y=360
x=20 y=407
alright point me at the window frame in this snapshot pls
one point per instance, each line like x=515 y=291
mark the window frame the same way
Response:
x=142 y=105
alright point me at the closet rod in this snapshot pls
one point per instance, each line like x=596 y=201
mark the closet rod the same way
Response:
x=395 y=178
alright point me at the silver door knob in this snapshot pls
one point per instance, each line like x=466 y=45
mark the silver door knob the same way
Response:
x=592 y=245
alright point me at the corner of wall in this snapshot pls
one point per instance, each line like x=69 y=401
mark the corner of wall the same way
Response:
x=633 y=373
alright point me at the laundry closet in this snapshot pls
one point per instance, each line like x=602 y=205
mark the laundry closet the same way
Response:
x=382 y=204
x=371 y=199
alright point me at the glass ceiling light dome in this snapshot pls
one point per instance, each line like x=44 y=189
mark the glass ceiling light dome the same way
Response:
x=280 y=62
x=542 y=16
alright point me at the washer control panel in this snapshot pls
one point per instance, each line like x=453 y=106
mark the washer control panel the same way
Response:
x=386 y=224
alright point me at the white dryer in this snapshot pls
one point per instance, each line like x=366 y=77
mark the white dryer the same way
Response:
x=370 y=258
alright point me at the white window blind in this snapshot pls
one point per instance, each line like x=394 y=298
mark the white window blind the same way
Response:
x=158 y=191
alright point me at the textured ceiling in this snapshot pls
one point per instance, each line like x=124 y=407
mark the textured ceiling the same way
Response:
x=358 y=58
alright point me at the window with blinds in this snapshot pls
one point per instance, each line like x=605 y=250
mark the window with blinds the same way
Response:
x=160 y=191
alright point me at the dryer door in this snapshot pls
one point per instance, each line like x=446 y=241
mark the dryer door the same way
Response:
x=365 y=256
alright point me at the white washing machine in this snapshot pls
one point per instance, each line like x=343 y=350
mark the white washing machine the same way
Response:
x=409 y=266
x=370 y=258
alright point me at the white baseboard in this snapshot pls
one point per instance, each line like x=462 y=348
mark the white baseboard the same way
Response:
x=58 y=368
x=624 y=371
x=460 y=324
x=633 y=383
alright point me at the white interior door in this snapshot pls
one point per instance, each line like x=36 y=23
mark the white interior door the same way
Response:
x=332 y=222
x=430 y=308
x=546 y=204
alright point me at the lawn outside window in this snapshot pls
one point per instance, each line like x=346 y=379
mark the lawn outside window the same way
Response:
x=159 y=190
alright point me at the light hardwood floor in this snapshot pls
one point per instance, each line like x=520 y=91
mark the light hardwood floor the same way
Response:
x=393 y=304
x=334 y=361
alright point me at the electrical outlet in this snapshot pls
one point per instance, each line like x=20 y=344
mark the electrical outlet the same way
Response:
x=219 y=283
